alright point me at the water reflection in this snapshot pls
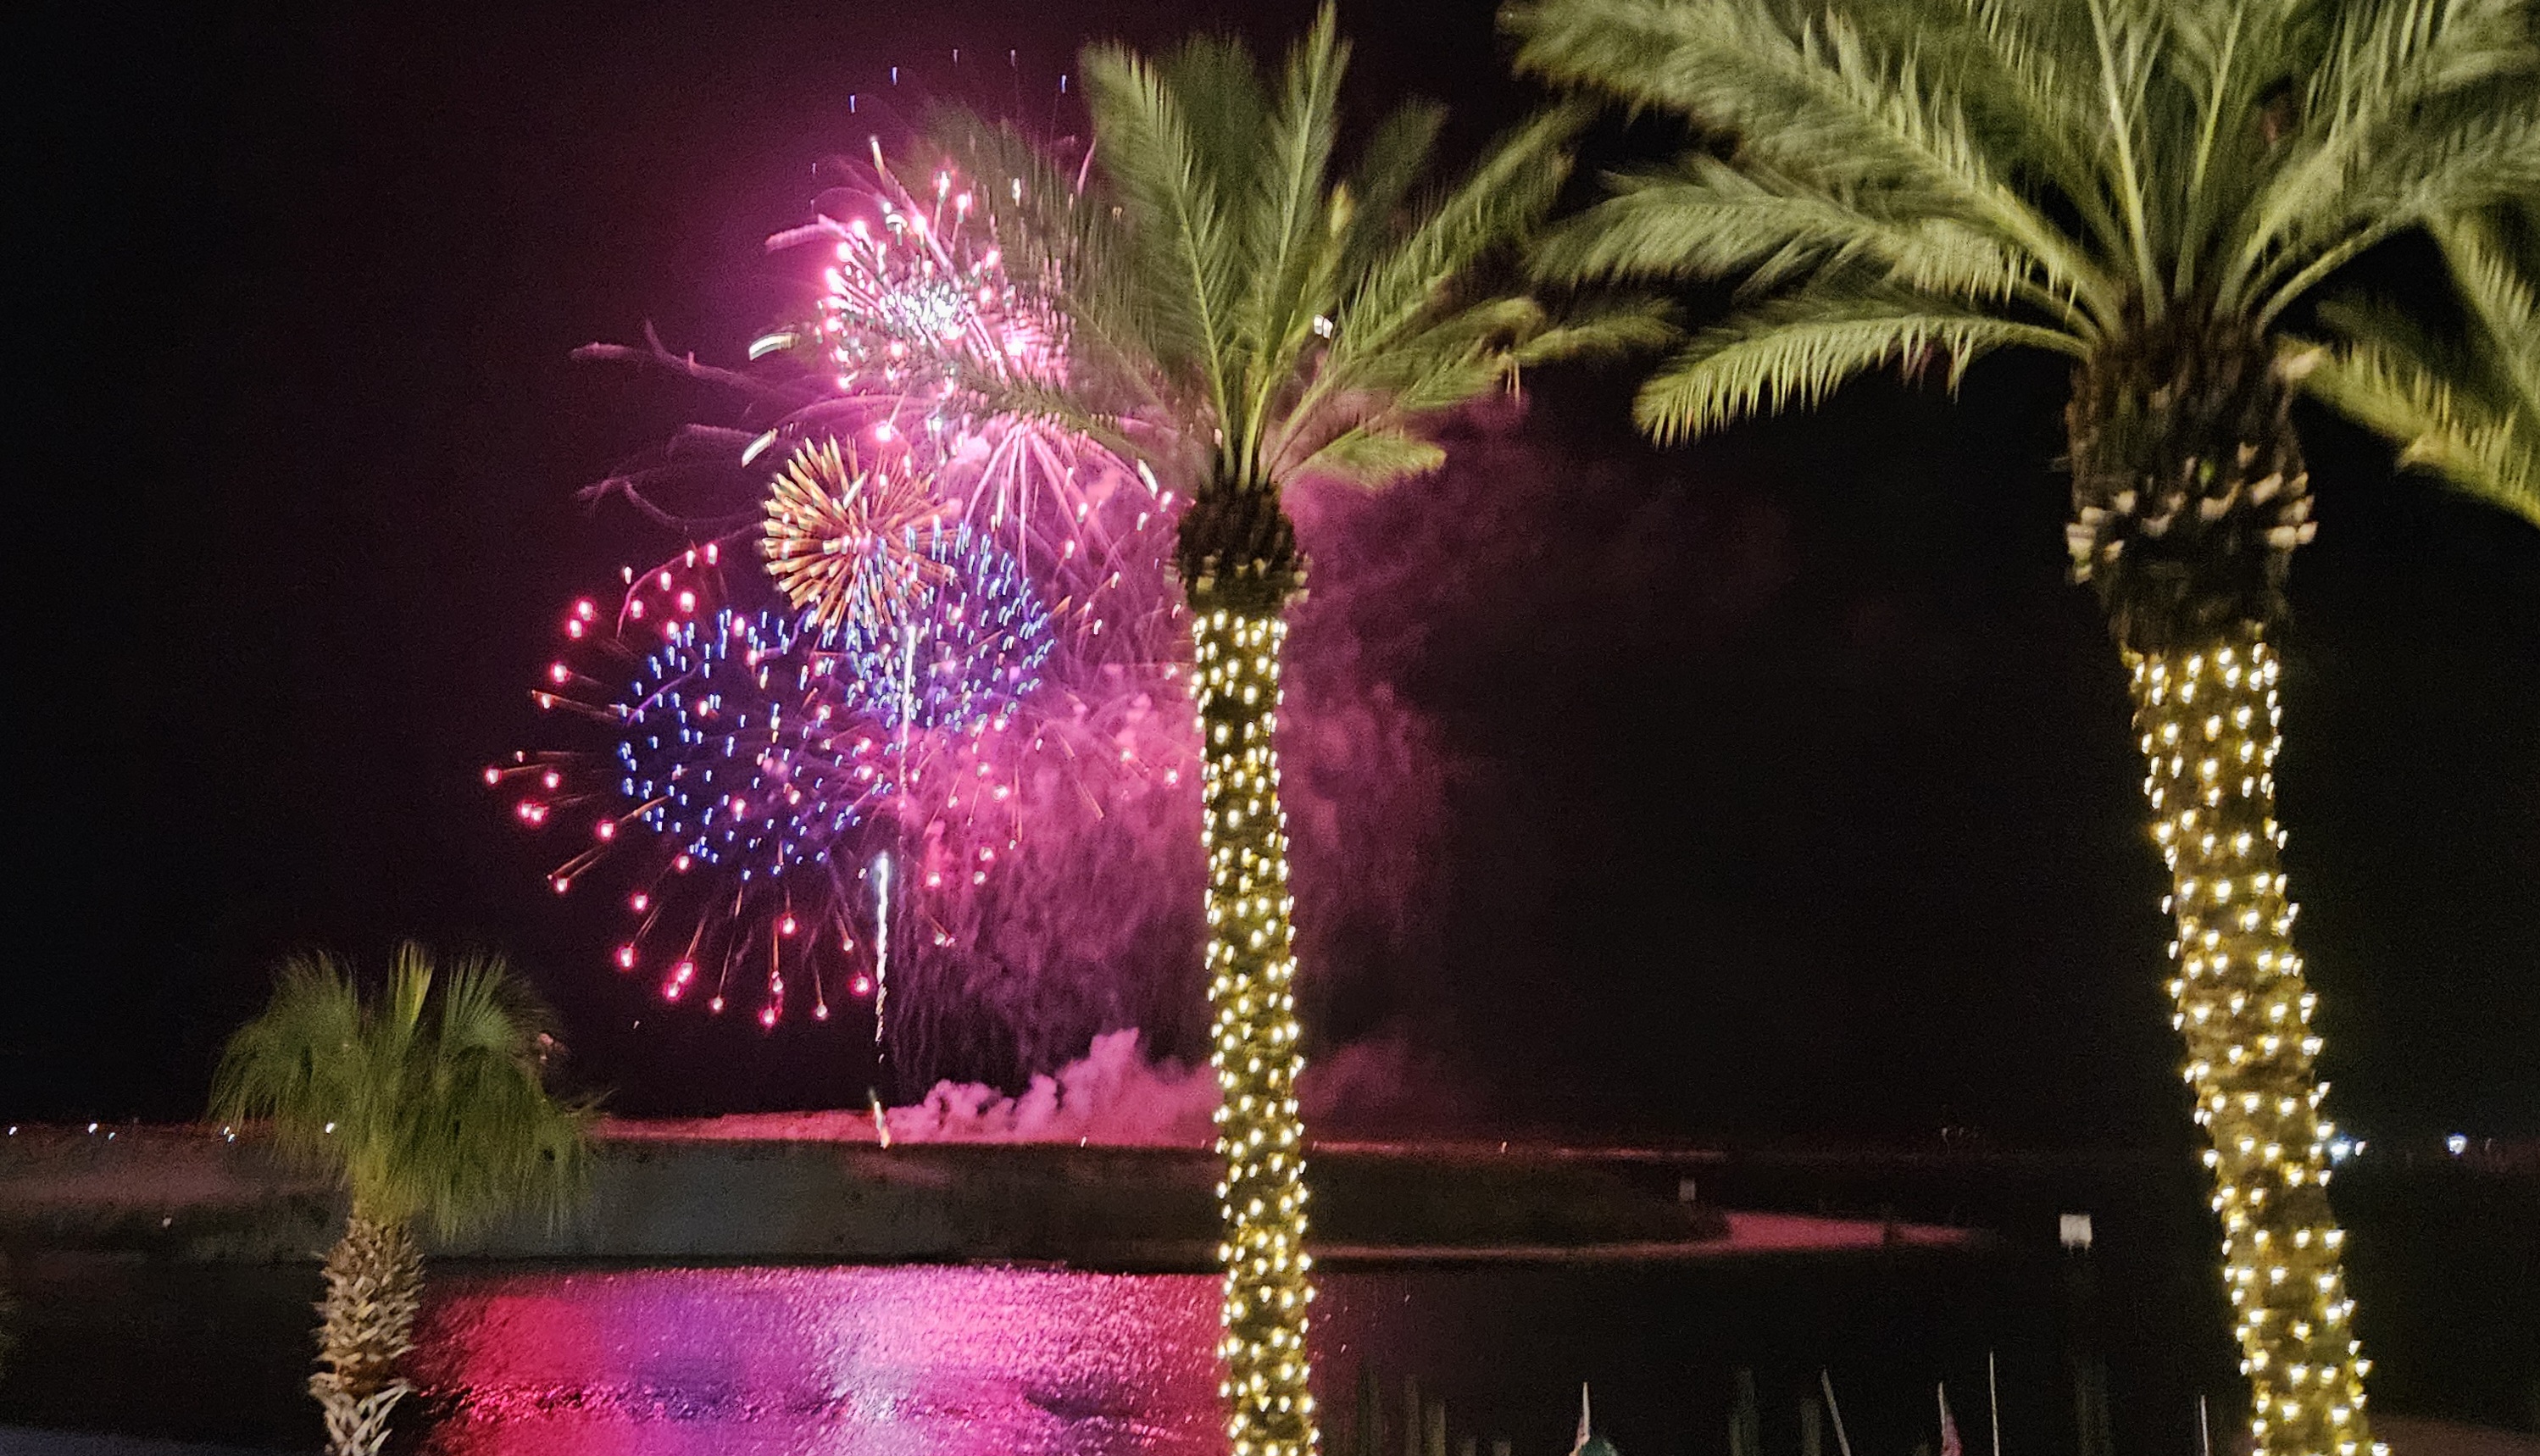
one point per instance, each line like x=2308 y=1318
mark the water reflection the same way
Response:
x=943 y=1362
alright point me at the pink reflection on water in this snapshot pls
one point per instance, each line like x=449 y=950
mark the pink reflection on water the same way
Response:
x=906 y=1361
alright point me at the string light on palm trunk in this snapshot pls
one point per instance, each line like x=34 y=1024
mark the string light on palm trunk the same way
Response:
x=2209 y=731
x=1252 y=969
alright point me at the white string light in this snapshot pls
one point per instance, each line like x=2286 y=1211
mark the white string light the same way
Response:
x=2209 y=723
x=1252 y=969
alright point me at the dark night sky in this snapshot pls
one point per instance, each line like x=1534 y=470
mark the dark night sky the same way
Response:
x=1793 y=797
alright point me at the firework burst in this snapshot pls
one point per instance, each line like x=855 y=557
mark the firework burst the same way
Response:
x=732 y=793
x=956 y=657
x=841 y=541
x=967 y=638
x=743 y=771
x=919 y=292
x=916 y=297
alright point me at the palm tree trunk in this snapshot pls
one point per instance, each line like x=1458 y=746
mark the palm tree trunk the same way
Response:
x=2189 y=499
x=374 y=1288
x=2207 y=719
x=1240 y=566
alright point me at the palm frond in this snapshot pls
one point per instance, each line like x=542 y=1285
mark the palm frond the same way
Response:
x=298 y=1064
x=1506 y=194
x=1792 y=352
x=1217 y=88
x=2397 y=83
x=1180 y=250
x=428 y=1103
x=1708 y=219
x=1057 y=243
x=2488 y=455
x=2014 y=65
x=1607 y=328
x=1373 y=455
x=1390 y=165
x=1816 y=99
x=2487 y=159
x=2497 y=267
x=1290 y=247
x=2468 y=411
x=1231 y=310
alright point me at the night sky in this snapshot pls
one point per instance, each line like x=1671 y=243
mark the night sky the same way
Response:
x=1784 y=786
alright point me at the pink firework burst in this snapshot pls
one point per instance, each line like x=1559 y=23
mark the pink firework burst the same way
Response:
x=915 y=296
x=734 y=778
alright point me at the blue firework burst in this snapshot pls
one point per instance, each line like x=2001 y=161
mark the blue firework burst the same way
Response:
x=955 y=656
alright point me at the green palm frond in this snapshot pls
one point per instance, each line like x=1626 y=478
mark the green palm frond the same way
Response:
x=1812 y=97
x=1794 y=351
x=1238 y=303
x=2086 y=166
x=1609 y=328
x=1373 y=454
x=428 y=1102
x=1389 y=170
x=2468 y=411
x=1504 y=196
x=2484 y=160
x=1049 y=232
x=1291 y=250
x=2413 y=110
x=1705 y=217
x=2496 y=457
x=1176 y=209
x=2015 y=66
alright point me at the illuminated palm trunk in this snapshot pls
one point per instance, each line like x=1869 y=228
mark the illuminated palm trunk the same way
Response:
x=374 y=1288
x=1240 y=566
x=2208 y=722
x=2190 y=497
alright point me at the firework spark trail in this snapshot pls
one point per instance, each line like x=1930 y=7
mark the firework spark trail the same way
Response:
x=881 y=951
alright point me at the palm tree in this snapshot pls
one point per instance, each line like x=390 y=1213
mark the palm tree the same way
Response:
x=1238 y=316
x=427 y=1106
x=2470 y=412
x=2144 y=188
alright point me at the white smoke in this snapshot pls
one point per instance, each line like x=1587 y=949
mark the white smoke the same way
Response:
x=1112 y=1094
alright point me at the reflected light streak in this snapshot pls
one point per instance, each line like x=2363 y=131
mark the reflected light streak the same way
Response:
x=948 y=1361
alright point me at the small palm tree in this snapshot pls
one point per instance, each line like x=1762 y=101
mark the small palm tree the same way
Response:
x=1239 y=314
x=2468 y=412
x=2141 y=188
x=428 y=1106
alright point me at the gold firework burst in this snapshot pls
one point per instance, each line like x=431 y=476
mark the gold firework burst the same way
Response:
x=842 y=539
